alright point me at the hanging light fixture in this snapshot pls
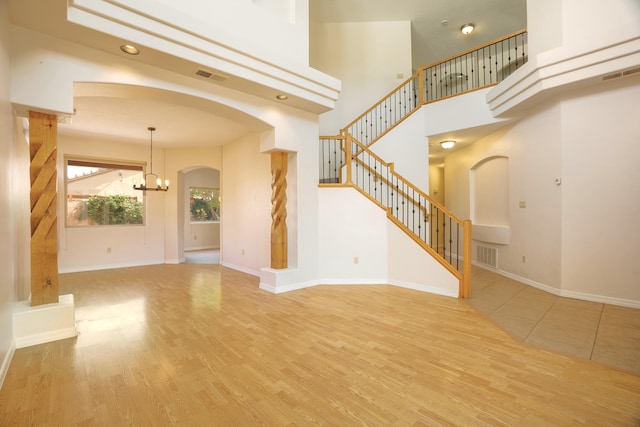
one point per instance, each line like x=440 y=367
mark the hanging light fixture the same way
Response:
x=144 y=185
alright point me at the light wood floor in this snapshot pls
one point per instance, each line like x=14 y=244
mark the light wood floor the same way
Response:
x=199 y=345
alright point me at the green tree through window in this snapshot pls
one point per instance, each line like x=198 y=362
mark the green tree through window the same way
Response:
x=204 y=204
x=101 y=193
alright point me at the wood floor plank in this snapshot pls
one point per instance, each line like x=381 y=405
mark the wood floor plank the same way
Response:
x=196 y=344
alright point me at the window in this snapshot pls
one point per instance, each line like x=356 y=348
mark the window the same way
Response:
x=204 y=204
x=101 y=193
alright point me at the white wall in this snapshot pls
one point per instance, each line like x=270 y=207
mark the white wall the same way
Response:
x=14 y=205
x=407 y=147
x=367 y=57
x=601 y=191
x=262 y=27
x=351 y=226
x=534 y=156
x=246 y=207
x=200 y=235
x=579 y=238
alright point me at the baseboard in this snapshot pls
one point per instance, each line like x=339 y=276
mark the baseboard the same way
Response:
x=358 y=282
x=425 y=288
x=33 y=325
x=200 y=248
x=287 y=288
x=46 y=337
x=241 y=269
x=110 y=266
x=603 y=299
x=6 y=362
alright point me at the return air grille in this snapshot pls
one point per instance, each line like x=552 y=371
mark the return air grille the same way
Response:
x=487 y=256
x=203 y=73
x=619 y=74
x=210 y=75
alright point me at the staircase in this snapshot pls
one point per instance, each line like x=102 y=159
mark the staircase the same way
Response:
x=347 y=159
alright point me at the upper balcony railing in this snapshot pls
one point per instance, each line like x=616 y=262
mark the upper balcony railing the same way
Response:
x=474 y=69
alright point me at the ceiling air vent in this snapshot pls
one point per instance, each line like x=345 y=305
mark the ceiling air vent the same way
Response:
x=631 y=71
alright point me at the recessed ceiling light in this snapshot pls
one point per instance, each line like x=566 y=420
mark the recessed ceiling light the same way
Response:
x=447 y=144
x=467 y=28
x=129 y=49
x=282 y=97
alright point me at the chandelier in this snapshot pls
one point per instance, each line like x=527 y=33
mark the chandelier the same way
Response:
x=146 y=184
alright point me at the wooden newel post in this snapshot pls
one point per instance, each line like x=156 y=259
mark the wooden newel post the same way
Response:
x=44 y=237
x=279 y=243
x=466 y=287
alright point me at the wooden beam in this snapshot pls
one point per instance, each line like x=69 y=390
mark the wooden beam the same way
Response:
x=44 y=236
x=279 y=242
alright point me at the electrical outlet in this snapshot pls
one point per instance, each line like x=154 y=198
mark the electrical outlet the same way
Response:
x=524 y=258
x=243 y=252
x=108 y=250
x=356 y=260
x=523 y=204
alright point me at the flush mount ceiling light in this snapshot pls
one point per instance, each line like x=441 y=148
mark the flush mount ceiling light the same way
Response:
x=467 y=28
x=447 y=144
x=129 y=49
x=282 y=97
x=146 y=184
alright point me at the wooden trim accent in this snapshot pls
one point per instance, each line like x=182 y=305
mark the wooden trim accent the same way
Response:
x=348 y=141
x=279 y=240
x=44 y=225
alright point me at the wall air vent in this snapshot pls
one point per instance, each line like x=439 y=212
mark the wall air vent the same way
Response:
x=619 y=74
x=611 y=76
x=487 y=256
x=209 y=75
x=203 y=73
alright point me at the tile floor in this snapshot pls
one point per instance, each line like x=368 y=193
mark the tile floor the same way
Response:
x=604 y=333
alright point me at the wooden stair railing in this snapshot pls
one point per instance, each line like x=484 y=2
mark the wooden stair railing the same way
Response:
x=346 y=159
x=437 y=230
x=477 y=68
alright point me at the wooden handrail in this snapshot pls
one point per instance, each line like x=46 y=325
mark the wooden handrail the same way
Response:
x=473 y=49
x=464 y=277
x=419 y=75
x=407 y=182
x=384 y=98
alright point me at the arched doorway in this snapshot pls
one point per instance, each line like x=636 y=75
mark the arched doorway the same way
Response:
x=200 y=204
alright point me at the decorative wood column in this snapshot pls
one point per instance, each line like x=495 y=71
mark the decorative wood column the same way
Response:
x=279 y=243
x=44 y=237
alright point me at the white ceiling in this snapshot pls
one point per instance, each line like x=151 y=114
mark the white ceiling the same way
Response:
x=431 y=40
x=183 y=125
